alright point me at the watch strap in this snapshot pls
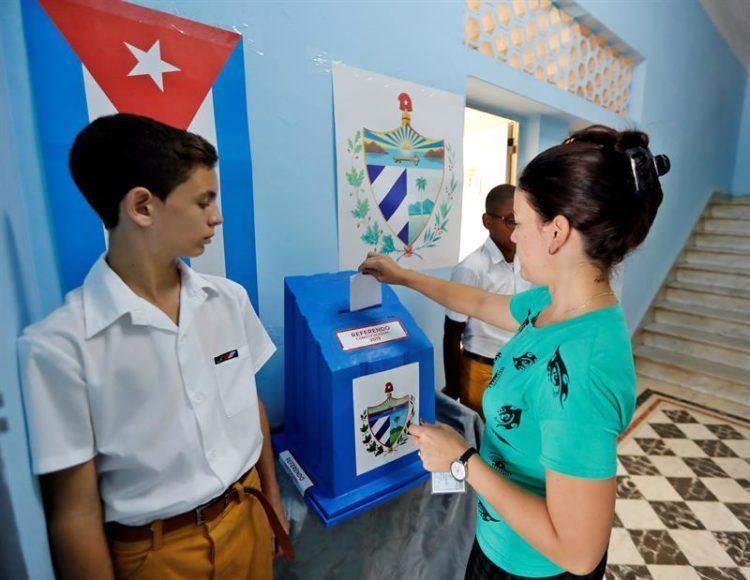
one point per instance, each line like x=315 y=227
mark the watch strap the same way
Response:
x=467 y=454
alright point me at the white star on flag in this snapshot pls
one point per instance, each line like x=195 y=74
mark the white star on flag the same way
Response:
x=151 y=64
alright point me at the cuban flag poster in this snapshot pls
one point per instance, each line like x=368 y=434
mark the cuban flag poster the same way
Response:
x=90 y=58
x=398 y=153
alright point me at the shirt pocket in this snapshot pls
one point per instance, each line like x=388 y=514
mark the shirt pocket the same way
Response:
x=236 y=380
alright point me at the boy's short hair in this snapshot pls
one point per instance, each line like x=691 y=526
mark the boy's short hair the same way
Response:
x=499 y=194
x=116 y=153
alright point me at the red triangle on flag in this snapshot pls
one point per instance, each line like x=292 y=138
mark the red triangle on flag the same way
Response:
x=147 y=62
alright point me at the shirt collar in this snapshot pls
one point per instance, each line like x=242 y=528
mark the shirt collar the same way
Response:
x=106 y=297
x=496 y=256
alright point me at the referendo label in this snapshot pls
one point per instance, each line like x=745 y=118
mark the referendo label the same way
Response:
x=364 y=336
x=300 y=479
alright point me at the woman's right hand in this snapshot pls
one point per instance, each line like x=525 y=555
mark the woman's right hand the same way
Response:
x=383 y=268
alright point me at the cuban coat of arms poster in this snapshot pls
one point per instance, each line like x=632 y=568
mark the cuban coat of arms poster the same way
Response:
x=385 y=404
x=398 y=151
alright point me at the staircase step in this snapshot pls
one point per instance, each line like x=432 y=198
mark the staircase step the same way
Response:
x=731 y=200
x=734 y=323
x=734 y=400
x=699 y=343
x=709 y=225
x=721 y=242
x=713 y=274
x=693 y=372
x=708 y=295
x=730 y=258
x=734 y=211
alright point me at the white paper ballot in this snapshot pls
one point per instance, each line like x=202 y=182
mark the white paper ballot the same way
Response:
x=364 y=291
x=444 y=482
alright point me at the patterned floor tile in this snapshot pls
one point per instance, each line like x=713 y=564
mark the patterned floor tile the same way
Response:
x=622 y=550
x=630 y=447
x=637 y=514
x=725 y=489
x=692 y=489
x=668 y=430
x=713 y=573
x=701 y=548
x=704 y=467
x=655 y=487
x=740 y=446
x=741 y=511
x=736 y=468
x=724 y=431
x=679 y=416
x=658 y=547
x=658 y=417
x=626 y=488
x=710 y=419
x=673 y=573
x=717 y=516
x=638 y=465
x=651 y=447
x=676 y=515
x=683 y=489
x=672 y=466
x=737 y=545
x=645 y=431
x=616 y=523
x=623 y=572
x=698 y=431
x=715 y=448
x=685 y=448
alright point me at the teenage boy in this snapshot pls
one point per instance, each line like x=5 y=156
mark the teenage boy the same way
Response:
x=469 y=345
x=146 y=429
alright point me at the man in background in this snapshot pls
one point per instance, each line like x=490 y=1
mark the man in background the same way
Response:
x=469 y=345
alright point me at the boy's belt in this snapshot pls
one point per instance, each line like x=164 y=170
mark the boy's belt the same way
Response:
x=204 y=514
x=485 y=360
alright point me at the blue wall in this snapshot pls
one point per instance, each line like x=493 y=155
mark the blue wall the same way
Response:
x=28 y=279
x=741 y=181
x=691 y=104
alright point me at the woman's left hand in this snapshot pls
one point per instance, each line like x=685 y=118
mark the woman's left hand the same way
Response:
x=438 y=444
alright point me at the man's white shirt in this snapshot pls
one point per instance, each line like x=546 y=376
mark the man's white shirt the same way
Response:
x=487 y=269
x=170 y=413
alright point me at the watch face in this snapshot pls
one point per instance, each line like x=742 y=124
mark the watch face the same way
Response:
x=458 y=470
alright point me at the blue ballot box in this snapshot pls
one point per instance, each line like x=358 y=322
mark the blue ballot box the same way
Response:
x=354 y=381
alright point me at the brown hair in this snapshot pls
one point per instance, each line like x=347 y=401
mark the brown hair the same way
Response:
x=605 y=182
x=116 y=153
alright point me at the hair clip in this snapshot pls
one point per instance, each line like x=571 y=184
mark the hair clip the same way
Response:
x=646 y=168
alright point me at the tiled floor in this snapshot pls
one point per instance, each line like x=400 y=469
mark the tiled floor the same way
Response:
x=683 y=507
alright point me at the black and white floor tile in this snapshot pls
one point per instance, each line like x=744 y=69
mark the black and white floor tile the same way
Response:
x=683 y=494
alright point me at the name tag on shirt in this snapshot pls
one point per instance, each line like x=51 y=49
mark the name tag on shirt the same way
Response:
x=226 y=356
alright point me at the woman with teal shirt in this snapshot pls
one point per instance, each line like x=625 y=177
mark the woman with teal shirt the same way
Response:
x=564 y=386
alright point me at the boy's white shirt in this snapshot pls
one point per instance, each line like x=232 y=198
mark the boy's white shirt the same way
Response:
x=109 y=376
x=486 y=268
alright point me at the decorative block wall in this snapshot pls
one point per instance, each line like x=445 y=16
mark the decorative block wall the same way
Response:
x=539 y=38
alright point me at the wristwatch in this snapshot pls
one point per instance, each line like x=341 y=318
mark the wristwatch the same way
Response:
x=458 y=467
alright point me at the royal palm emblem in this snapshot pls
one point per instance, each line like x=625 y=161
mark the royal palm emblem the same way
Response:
x=384 y=426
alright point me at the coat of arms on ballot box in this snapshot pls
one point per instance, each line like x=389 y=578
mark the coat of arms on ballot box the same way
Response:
x=386 y=403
